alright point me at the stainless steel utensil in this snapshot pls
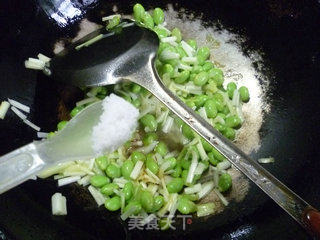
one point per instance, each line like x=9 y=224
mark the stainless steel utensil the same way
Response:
x=130 y=56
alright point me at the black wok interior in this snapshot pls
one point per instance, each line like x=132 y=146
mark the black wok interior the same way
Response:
x=286 y=32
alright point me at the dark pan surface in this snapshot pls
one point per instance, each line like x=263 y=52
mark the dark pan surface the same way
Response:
x=286 y=31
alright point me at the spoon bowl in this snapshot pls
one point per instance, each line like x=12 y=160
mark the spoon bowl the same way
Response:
x=109 y=60
x=73 y=142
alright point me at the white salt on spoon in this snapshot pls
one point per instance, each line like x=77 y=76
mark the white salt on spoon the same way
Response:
x=117 y=123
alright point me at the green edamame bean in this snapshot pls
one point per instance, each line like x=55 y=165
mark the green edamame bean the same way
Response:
x=116 y=30
x=212 y=159
x=151 y=164
x=51 y=134
x=220 y=127
x=199 y=100
x=147 y=20
x=217 y=155
x=216 y=75
x=210 y=108
x=219 y=105
x=203 y=54
x=136 y=103
x=192 y=43
x=102 y=162
x=162 y=149
x=206 y=145
x=184 y=175
x=158 y=202
x=135 y=88
x=99 y=180
x=225 y=182
x=168 y=48
x=230 y=89
x=218 y=97
x=175 y=185
x=113 y=22
x=149 y=138
x=185 y=164
x=197 y=69
x=163 y=46
x=207 y=66
x=222 y=115
x=144 y=92
x=185 y=206
x=108 y=189
x=182 y=155
x=158 y=16
x=233 y=121
x=176 y=171
x=187 y=131
x=244 y=94
x=191 y=197
x=146 y=200
x=150 y=122
x=160 y=32
x=76 y=110
x=182 y=77
x=167 y=68
x=229 y=133
x=113 y=204
x=113 y=171
x=128 y=190
x=61 y=125
x=176 y=33
x=201 y=79
x=138 y=12
x=190 y=103
x=172 y=161
x=192 y=76
x=134 y=204
x=127 y=168
x=102 y=90
x=173 y=62
x=181 y=52
x=225 y=110
x=137 y=156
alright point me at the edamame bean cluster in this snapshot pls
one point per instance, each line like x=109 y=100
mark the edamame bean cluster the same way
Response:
x=150 y=173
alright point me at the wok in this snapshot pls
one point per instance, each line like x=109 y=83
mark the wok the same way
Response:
x=288 y=34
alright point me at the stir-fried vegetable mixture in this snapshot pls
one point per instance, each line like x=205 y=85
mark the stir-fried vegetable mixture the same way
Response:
x=157 y=171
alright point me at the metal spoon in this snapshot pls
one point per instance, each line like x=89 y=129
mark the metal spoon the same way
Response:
x=130 y=56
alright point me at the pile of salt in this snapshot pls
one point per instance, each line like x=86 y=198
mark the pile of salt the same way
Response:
x=117 y=123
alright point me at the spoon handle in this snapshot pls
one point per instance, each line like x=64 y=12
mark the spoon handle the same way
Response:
x=282 y=195
x=18 y=166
